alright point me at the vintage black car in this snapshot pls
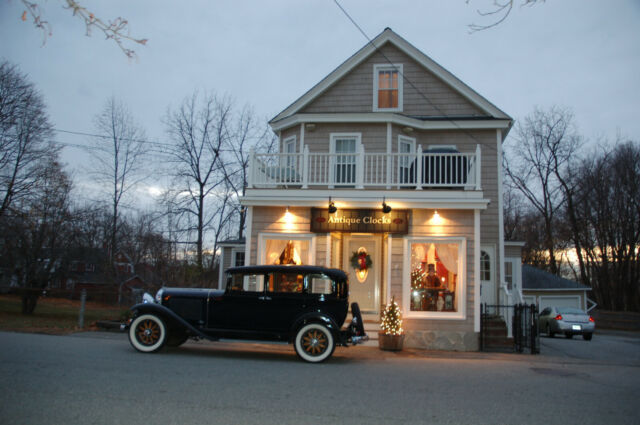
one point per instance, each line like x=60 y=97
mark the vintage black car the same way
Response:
x=302 y=305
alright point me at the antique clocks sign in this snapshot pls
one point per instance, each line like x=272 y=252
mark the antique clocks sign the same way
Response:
x=359 y=221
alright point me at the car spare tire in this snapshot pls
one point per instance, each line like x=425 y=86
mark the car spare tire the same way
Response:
x=314 y=343
x=355 y=312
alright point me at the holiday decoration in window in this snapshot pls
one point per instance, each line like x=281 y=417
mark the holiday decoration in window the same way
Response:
x=361 y=262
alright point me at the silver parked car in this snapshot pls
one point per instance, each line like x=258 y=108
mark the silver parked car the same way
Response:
x=567 y=320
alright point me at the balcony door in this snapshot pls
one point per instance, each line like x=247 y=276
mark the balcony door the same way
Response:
x=344 y=148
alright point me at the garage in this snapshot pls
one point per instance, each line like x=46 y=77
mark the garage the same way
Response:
x=548 y=290
x=545 y=301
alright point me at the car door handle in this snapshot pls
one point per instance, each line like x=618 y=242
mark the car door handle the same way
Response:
x=265 y=298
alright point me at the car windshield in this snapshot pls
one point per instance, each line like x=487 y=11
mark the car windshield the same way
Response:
x=570 y=310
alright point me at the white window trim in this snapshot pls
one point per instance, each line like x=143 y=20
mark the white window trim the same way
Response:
x=461 y=296
x=234 y=252
x=332 y=151
x=406 y=139
x=286 y=161
x=289 y=140
x=262 y=244
x=491 y=250
x=385 y=67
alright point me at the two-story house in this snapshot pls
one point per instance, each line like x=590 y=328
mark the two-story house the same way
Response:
x=389 y=169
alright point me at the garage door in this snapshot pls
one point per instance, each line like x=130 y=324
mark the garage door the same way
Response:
x=529 y=299
x=559 y=301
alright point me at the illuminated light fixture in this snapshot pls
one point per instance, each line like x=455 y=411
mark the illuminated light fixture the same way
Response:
x=385 y=208
x=361 y=275
x=332 y=206
x=288 y=217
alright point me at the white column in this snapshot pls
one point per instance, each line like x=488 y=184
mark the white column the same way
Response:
x=247 y=238
x=476 y=270
x=500 y=210
x=389 y=157
x=389 y=263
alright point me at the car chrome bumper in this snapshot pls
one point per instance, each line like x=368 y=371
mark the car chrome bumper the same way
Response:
x=355 y=340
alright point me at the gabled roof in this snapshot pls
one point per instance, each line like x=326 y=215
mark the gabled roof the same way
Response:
x=534 y=278
x=388 y=36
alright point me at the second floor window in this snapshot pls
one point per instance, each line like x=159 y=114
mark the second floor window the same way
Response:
x=387 y=87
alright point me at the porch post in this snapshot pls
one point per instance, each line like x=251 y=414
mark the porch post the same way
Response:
x=360 y=167
x=252 y=167
x=419 y=159
x=305 y=167
x=478 y=167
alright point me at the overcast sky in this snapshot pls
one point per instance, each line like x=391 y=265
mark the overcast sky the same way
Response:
x=583 y=54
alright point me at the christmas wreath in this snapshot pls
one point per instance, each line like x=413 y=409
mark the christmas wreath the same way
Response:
x=360 y=260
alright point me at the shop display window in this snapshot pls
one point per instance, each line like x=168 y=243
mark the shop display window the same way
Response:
x=434 y=276
x=287 y=251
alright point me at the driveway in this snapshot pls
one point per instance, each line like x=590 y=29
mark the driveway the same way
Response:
x=607 y=347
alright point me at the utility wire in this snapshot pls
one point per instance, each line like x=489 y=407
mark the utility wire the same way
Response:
x=445 y=115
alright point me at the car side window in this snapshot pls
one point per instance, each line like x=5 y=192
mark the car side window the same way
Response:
x=319 y=284
x=246 y=282
x=286 y=283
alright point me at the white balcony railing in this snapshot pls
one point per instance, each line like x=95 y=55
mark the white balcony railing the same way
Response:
x=420 y=170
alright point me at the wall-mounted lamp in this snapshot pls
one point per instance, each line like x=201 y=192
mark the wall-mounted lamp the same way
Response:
x=385 y=208
x=332 y=206
x=288 y=217
x=407 y=130
x=310 y=127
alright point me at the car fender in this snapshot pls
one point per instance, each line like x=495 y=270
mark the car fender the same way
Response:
x=172 y=319
x=315 y=317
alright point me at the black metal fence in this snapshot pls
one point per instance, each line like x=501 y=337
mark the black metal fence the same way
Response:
x=525 y=328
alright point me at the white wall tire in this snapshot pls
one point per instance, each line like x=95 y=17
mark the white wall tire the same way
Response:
x=314 y=343
x=147 y=333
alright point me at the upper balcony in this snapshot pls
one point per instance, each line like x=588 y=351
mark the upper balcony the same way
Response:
x=366 y=170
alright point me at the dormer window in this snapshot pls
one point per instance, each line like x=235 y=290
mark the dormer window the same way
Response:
x=387 y=87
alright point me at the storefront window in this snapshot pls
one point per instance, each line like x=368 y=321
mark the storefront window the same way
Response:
x=287 y=251
x=434 y=276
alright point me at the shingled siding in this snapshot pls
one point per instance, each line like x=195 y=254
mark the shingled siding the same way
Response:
x=354 y=92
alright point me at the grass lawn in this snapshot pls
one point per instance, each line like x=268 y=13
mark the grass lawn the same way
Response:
x=54 y=315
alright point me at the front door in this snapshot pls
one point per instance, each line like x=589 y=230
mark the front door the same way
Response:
x=364 y=288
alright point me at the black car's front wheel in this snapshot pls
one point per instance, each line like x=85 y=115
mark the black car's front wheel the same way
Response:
x=314 y=343
x=147 y=333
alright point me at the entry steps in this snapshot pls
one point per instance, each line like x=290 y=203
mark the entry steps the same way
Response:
x=495 y=335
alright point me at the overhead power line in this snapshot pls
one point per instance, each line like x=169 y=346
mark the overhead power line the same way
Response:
x=413 y=86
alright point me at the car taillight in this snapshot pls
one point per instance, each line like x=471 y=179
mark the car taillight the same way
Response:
x=559 y=317
x=591 y=319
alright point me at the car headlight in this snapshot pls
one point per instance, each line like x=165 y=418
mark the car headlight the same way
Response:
x=159 y=296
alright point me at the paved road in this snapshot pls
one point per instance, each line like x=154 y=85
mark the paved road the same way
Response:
x=96 y=378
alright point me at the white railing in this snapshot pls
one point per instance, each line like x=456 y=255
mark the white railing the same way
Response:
x=362 y=169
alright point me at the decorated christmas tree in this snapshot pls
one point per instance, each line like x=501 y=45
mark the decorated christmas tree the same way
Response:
x=392 y=319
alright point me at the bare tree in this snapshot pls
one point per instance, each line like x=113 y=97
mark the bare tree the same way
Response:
x=36 y=237
x=608 y=211
x=545 y=148
x=25 y=133
x=498 y=12
x=246 y=133
x=116 y=29
x=119 y=158
x=198 y=129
